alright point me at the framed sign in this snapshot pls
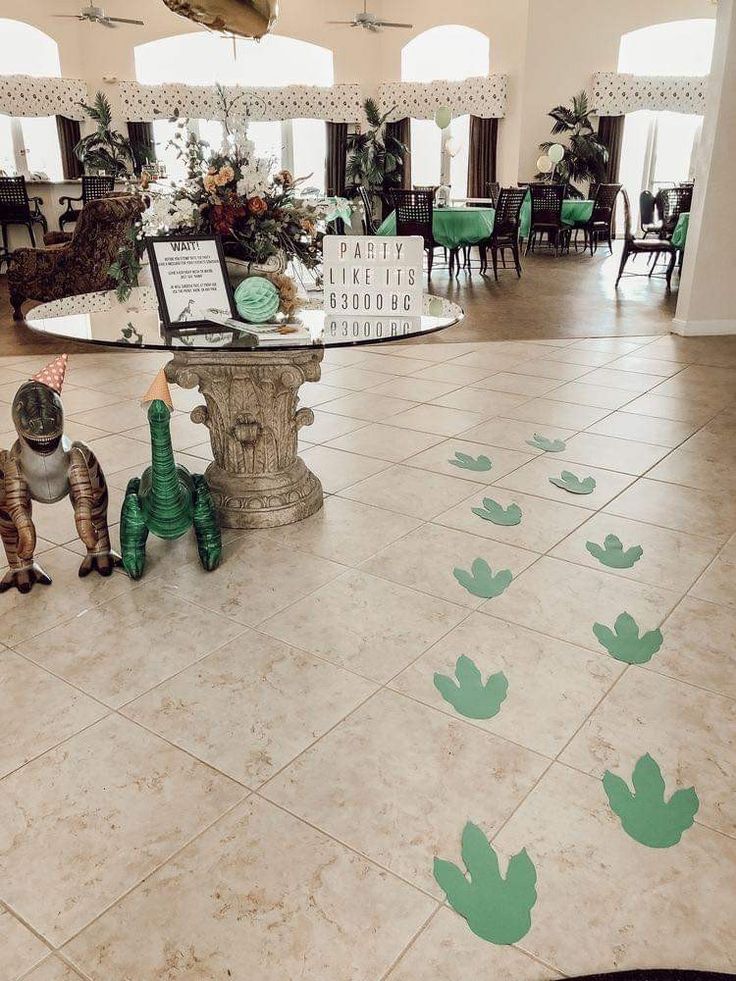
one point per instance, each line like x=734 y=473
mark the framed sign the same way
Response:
x=376 y=276
x=191 y=280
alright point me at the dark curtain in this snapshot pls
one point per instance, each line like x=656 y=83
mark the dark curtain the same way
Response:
x=70 y=133
x=142 y=144
x=337 y=149
x=481 y=156
x=611 y=134
x=401 y=130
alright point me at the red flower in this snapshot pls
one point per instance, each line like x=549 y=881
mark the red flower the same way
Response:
x=257 y=206
x=225 y=216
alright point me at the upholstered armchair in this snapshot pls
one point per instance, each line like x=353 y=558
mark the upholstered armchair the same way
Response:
x=80 y=265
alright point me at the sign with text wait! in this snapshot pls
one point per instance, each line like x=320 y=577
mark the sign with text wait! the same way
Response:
x=374 y=276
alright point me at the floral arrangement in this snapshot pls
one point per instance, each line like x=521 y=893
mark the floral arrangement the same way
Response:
x=234 y=194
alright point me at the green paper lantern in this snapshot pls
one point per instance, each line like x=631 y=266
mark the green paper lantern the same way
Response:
x=257 y=300
x=443 y=117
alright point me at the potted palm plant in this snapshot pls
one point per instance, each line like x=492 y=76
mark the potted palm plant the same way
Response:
x=105 y=150
x=375 y=157
x=585 y=156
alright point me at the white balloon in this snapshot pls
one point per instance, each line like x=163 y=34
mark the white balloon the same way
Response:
x=453 y=146
x=556 y=152
x=544 y=164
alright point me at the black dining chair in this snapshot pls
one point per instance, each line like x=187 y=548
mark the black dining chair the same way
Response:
x=414 y=216
x=653 y=247
x=600 y=223
x=94 y=187
x=506 y=229
x=547 y=216
x=17 y=208
x=648 y=214
x=672 y=202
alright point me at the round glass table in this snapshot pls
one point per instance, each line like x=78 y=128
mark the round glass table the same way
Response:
x=250 y=392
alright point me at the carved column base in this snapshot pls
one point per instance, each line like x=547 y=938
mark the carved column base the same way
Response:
x=265 y=501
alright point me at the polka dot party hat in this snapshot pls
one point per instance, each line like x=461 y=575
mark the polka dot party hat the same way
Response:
x=53 y=374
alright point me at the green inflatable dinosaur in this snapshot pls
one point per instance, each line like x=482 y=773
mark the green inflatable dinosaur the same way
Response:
x=167 y=500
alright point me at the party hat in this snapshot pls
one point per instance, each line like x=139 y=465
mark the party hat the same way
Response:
x=159 y=389
x=53 y=374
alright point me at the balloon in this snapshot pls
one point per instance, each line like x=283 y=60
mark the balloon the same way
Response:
x=556 y=152
x=443 y=117
x=544 y=164
x=452 y=146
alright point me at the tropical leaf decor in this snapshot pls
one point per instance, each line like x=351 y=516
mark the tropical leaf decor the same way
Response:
x=585 y=156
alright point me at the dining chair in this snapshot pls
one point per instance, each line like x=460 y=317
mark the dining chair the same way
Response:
x=601 y=219
x=494 y=189
x=369 y=224
x=547 y=216
x=414 y=216
x=506 y=229
x=650 y=246
x=94 y=187
x=673 y=201
x=648 y=214
x=17 y=208
x=432 y=188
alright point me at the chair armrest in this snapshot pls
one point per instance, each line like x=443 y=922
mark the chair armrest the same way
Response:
x=68 y=199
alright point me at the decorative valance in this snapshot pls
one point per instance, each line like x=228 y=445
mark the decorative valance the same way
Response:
x=615 y=94
x=142 y=103
x=482 y=96
x=27 y=95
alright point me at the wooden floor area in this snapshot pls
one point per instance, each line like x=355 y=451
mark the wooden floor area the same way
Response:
x=570 y=296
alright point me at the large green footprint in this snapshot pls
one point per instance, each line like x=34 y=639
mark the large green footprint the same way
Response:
x=612 y=553
x=467 y=462
x=469 y=695
x=493 y=511
x=497 y=909
x=645 y=815
x=481 y=581
x=624 y=642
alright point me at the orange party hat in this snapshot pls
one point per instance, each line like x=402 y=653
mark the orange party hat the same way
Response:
x=53 y=374
x=159 y=389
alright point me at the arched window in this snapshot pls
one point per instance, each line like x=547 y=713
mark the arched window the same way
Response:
x=205 y=58
x=451 y=52
x=659 y=148
x=29 y=144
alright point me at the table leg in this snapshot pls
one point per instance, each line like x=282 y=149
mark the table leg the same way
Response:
x=257 y=479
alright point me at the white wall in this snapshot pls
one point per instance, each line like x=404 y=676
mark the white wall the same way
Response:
x=549 y=48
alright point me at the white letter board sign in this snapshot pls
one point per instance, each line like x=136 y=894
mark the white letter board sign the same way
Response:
x=376 y=276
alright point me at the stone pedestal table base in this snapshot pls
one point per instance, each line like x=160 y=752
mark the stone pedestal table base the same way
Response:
x=251 y=411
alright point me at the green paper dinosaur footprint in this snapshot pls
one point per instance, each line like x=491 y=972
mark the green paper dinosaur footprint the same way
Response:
x=624 y=642
x=548 y=445
x=497 y=910
x=481 y=581
x=493 y=511
x=612 y=553
x=569 y=482
x=469 y=696
x=467 y=462
x=645 y=815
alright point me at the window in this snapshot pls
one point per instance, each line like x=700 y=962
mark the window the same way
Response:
x=300 y=145
x=29 y=144
x=659 y=148
x=450 y=52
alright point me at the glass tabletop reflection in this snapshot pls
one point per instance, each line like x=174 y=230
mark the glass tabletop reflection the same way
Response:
x=100 y=318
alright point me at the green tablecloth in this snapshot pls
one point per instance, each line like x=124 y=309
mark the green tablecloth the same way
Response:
x=454 y=227
x=679 y=236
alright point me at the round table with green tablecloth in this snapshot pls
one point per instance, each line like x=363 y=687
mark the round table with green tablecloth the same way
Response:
x=459 y=226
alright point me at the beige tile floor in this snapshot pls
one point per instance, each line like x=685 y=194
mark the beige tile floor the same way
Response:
x=247 y=774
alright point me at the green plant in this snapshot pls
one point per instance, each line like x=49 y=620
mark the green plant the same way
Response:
x=105 y=149
x=574 y=485
x=127 y=264
x=493 y=511
x=645 y=815
x=467 y=462
x=375 y=157
x=481 y=581
x=548 y=445
x=612 y=553
x=585 y=156
x=624 y=642
x=497 y=909
x=469 y=695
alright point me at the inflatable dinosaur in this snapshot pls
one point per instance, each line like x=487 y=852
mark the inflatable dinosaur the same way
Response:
x=43 y=465
x=167 y=500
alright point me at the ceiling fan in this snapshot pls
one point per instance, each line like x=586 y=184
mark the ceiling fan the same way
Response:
x=368 y=21
x=96 y=15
